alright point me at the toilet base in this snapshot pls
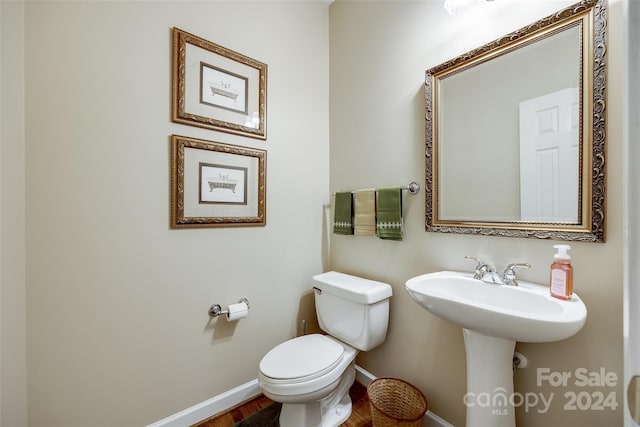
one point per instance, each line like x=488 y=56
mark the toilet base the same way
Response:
x=331 y=411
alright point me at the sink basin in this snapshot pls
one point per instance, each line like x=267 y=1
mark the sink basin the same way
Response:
x=493 y=317
x=525 y=313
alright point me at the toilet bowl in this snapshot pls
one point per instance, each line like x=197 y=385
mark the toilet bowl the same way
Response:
x=311 y=375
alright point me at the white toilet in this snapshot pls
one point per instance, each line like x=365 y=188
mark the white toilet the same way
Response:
x=311 y=375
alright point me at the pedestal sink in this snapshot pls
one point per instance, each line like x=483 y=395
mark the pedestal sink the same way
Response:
x=493 y=317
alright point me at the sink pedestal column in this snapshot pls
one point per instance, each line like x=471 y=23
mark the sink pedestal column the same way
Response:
x=489 y=399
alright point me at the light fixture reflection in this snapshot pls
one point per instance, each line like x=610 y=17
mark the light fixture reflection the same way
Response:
x=458 y=7
x=252 y=121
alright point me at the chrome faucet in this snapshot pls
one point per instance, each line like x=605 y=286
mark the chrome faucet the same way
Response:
x=489 y=274
x=509 y=275
x=481 y=267
x=485 y=272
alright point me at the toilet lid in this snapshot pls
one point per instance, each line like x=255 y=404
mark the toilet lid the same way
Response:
x=302 y=358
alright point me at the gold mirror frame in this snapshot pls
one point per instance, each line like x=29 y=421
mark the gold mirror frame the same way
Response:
x=590 y=224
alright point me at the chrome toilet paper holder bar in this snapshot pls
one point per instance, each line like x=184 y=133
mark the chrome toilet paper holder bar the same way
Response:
x=216 y=309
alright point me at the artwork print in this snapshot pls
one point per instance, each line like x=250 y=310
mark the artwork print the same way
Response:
x=223 y=184
x=217 y=88
x=223 y=89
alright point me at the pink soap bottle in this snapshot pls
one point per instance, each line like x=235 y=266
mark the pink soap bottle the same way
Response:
x=561 y=280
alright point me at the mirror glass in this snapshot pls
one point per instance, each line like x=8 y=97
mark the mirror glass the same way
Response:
x=515 y=132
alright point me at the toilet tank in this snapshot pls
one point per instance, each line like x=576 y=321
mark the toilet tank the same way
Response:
x=352 y=309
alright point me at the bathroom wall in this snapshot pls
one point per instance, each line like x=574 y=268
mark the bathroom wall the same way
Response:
x=377 y=139
x=116 y=302
x=13 y=366
x=117 y=327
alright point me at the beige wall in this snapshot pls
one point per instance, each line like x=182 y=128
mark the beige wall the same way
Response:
x=13 y=366
x=377 y=139
x=116 y=302
x=118 y=330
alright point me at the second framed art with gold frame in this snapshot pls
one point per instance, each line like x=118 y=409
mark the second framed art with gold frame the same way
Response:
x=217 y=88
x=216 y=185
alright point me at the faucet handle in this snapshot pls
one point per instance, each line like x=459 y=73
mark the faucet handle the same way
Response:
x=509 y=275
x=470 y=258
x=481 y=268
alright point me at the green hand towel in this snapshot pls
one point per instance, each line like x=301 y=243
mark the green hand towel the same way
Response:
x=342 y=223
x=389 y=225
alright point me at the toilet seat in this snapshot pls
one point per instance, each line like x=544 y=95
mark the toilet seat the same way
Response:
x=301 y=359
x=305 y=366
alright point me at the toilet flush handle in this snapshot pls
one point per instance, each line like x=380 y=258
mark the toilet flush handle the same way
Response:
x=318 y=290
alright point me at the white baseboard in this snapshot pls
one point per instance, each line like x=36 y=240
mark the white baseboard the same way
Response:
x=233 y=397
x=211 y=407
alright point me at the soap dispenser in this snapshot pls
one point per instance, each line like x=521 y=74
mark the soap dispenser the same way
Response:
x=561 y=280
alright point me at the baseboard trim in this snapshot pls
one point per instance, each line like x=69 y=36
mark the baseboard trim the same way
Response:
x=233 y=397
x=211 y=407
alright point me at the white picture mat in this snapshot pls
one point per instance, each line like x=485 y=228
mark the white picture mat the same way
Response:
x=193 y=208
x=194 y=56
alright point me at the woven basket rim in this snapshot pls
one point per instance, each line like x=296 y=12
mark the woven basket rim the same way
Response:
x=411 y=386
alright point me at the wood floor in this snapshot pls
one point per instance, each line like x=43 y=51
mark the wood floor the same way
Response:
x=360 y=415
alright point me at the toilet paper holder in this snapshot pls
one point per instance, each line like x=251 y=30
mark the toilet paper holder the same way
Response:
x=216 y=309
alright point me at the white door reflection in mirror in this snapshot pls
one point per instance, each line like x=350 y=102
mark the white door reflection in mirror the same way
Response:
x=549 y=157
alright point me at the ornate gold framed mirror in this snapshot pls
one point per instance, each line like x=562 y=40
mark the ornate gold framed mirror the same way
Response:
x=515 y=132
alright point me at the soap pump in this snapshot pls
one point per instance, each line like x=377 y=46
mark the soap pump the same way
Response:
x=561 y=281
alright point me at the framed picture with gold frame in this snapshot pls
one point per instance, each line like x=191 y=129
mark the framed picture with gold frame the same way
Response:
x=216 y=88
x=216 y=185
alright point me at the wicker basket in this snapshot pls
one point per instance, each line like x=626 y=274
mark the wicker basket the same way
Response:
x=395 y=402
